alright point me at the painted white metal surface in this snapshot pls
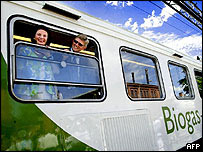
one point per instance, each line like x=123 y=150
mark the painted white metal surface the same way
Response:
x=89 y=122
x=127 y=133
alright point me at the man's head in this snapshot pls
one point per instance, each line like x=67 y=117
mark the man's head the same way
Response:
x=80 y=43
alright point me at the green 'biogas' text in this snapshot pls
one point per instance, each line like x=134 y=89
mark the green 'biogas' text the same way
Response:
x=180 y=121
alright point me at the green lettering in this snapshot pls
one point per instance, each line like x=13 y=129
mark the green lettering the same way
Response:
x=184 y=121
x=168 y=120
x=198 y=116
x=194 y=122
x=190 y=127
x=175 y=120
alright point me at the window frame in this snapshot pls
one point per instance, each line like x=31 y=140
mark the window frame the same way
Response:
x=158 y=74
x=188 y=78
x=197 y=70
x=11 y=60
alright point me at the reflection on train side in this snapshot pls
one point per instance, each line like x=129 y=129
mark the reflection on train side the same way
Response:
x=140 y=75
x=137 y=90
x=180 y=80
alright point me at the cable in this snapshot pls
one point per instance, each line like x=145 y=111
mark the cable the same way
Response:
x=165 y=22
x=174 y=16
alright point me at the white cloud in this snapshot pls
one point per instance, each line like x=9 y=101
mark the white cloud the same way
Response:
x=152 y=21
x=128 y=22
x=120 y=3
x=191 y=45
x=167 y=12
x=129 y=3
x=159 y=37
x=112 y=3
x=157 y=21
x=132 y=27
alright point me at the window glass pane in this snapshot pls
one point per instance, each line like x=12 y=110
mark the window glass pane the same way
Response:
x=34 y=91
x=37 y=63
x=180 y=81
x=198 y=76
x=140 y=75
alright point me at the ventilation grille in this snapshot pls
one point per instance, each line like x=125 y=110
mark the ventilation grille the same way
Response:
x=127 y=133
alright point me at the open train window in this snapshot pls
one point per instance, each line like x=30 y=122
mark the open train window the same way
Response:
x=49 y=73
x=142 y=75
x=198 y=77
x=181 y=81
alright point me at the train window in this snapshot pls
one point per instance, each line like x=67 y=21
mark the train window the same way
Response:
x=46 y=74
x=198 y=77
x=180 y=80
x=141 y=74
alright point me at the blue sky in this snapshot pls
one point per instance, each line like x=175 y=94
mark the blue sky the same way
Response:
x=152 y=19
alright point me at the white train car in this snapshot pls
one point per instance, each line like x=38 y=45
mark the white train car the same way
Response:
x=127 y=93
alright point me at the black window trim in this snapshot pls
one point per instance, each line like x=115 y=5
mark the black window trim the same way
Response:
x=197 y=70
x=158 y=72
x=188 y=78
x=10 y=23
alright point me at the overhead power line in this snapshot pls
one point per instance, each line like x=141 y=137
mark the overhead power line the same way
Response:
x=174 y=16
x=164 y=22
x=188 y=10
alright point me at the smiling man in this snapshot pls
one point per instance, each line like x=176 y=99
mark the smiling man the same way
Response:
x=79 y=43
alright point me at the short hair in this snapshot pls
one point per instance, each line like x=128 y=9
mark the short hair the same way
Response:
x=41 y=27
x=83 y=37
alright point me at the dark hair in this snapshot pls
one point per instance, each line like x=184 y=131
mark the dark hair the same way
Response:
x=42 y=27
